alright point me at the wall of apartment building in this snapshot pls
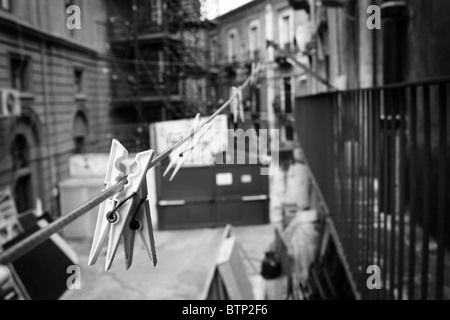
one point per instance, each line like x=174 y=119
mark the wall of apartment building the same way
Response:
x=345 y=60
x=268 y=15
x=411 y=49
x=300 y=28
x=50 y=17
x=54 y=111
x=350 y=43
x=362 y=57
x=425 y=56
x=239 y=21
x=428 y=31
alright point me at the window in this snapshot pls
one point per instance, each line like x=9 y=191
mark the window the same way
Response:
x=200 y=92
x=20 y=153
x=22 y=185
x=78 y=75
x=287 y=95
x=20 y=75
x=213 y=51
x=232 y=45
x=80 y=145
x=286 y=29
x=289 y=129
x=253 y=38
x=5 y=5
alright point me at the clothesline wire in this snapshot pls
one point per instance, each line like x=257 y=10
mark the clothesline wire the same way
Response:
x=29 y=243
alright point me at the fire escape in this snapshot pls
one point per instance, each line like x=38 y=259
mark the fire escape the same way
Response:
x=158 y=59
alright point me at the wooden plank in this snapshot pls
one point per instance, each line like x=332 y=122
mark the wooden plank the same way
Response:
x=232 y=270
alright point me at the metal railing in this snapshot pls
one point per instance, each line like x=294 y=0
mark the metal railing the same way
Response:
x=380 y=158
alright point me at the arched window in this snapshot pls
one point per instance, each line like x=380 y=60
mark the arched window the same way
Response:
x=24 y=146
x=22 y=186
x=20 y=152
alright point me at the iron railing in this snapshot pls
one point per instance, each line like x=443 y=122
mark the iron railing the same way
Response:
x=380 y=158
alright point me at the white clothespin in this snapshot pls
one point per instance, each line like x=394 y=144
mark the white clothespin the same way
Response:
x=182 y=153
x=237 y=105
x=140 y=223
x=181 y=149
x=117 y=215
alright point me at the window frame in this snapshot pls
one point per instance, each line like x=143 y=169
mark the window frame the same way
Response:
x=253 y=47
x=284 y=96
x=26 y=79
x=214 y=51
x=22 y=174
x=80 y=88
x=286 y=38
x=232 y=45
x=10 y=6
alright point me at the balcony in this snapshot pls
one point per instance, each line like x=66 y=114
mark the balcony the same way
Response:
x=283 y=52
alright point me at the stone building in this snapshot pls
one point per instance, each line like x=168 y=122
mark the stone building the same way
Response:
x=55 y=94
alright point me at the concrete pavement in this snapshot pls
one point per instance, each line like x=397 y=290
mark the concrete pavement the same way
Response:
x=185 y=259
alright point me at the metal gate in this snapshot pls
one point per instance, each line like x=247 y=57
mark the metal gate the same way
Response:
x=213 y=196
x=380 y=159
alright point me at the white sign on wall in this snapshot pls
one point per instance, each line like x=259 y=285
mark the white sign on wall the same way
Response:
x=214 y=142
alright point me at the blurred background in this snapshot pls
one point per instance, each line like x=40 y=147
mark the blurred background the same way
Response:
x=357 y=89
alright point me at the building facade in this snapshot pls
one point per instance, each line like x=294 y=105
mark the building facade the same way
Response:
x=69 y=91
x=55 y=94
x=266 y=32
x=396 y=67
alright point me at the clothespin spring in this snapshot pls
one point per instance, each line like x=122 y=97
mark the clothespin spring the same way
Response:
x=112 y=216
x=134 y=224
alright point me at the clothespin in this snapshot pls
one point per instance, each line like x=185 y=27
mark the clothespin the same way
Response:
x=120 y=215
x=180 y=150
x=182 y=153
x=140 y=223
x=237 y=106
